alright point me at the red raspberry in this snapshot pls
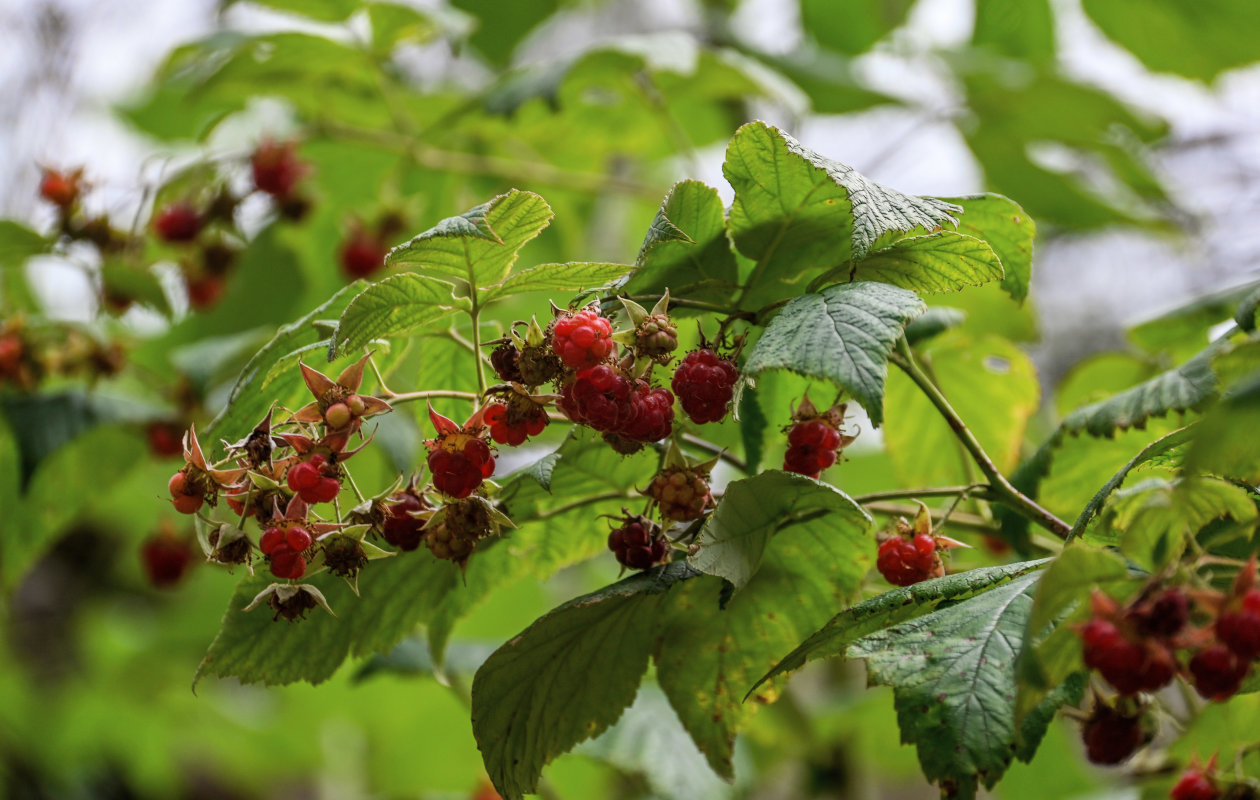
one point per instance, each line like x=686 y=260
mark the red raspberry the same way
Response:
x=312 y=481
x=582 y=340
x=186 y=495
x=204 y=292
x=601 y=398
x=705 y=384
x=1130 y=667
x=1218 y=672
x=459 y=473
x=1163 y=616
x=1194 y=785
x=10 y=355
x=502 y=431
x=1110 y=736
x=363 y=254
x=638 y=543
x=681 y=493
x=273 y=539
x=653 y=415
x=178 y=222
x=287 y=563
x=166 y=439
x=60 y=188
x=506 y=362
x=400 y=528
x=812 y=447
x=907 y=561
x=298 y=539
x=276 y=168
x=165 y=558
x=1240 y=630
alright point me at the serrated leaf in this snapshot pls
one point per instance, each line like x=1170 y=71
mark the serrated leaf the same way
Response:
x=752 y=430
x=521 y=724
x=1227 y=441
x=892 y=607
x=797 y=213
x=570 y=277
x=1189 y=386
x=953 y=678
x=18 y=243
x=938 y=262
x=734 y=537
x=686 y=248
x=1245 y=314
x=933 y=322
x=397 y=305
x=479 y=246
x=842 y=334
x=1008 y=229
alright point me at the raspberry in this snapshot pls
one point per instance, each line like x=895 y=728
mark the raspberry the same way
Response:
x=1218 y=672
x=165 y=558
x=1194 y=785
x=512 y=424
x=812 y=447
x=363 y=254
x=310 y=479
x=656 y=337
x=506 y=362
x=272 y=540
x=1130 y=667
x=1110 y=736
x=601 y=398
x=186 y=495
x=400 y=528
x=338 y=416
x=681 y=493
x=165 y=439
x=10 y=355
x=1163 y=616
x=704 y=384
x=298 y=539
x=907 y=561
x=458 y=473
x=582 y=340
x=276 y=169
x=205 y=291
x=178 y=222
x=287 y=563
x=638 y=543
x=60 y=188
x=463 y=524
x=1240 y=630
x=653 y=416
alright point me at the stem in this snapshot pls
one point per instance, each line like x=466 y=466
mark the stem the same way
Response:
x=576 y=504
x=407 y=397
x=976 y=490
x=682 y=302
x=958 y=519
x=1001 y=489
x=476 y=341
x=721 y=452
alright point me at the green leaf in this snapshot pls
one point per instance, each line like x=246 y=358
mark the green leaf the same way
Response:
x=323 y=10
x=500 y=27
x=1227 y=441
x=18 y=243
x=1008 y=229
x=896 y=606
x=1199 y=40
x=796 y=211
x=397 y=305
x=686 y=248
x=842 y=334
x=752 y=430
x=566 y=678
x=953 y=678
x=1190 y=386
x=735 y=536
x=1245 y=315
x=935 y=321
x=852 y=28
x=395 y=23
x=138 y=284
x=570 y=277
x=479 y=246
x=938 y=262
x=993 y=386
x=1020 y=29
x=247 y=403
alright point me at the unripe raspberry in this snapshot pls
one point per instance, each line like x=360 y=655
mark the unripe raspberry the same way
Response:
x=60 y=188
x=338 y=416
x=907 y=561
x=582 y=340
x=1239 y=629
x=656 y=337
x=1195 y=785
x=538 y=365
x=186 y=495
x=638 y=543
x=464 y=523
x=704 y=384
x=1218 y=672
x=1110 y=736
x=178 y=222
x=682 y=494
x=505 y=359
x=356 y=405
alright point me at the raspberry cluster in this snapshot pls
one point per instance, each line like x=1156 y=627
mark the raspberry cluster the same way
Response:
x=637 y=542
x=911 y=552
x=31 y=353
x=815 y=439
x=582 y=339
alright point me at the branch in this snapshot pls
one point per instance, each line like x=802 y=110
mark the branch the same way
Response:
x=1001 y=489
x=980 y=491
x=958 y=519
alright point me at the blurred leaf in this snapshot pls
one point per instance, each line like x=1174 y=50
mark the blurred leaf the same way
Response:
x=1021 y=29
x=397 y=305
x=1187 y=329
x=139 y=284
x=521 y=724
x=990 y=382
x=842 y=334
x=753 y=426
x=938 y=262
x=852 y=28
x=830 y=81
x=953 y=678
x=18 y=243
x=935 y=321
x=481 y=245
x=899 y=605
x=686 y=248
x=395 y=23
x=412 y=657
x=323 y=10
x=1007 y=228
x=1199 y=41
x=1099 y=377
x=569 y=277
x=501 y=27
x=1227 y=441
x=734 y=537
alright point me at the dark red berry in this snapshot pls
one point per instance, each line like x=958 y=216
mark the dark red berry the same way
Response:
x=165 y=439
x=298 y=539
x=1218 y=672
x=652 y=418
x=704 y=385
x=1194 y=785
x=907 y=561
x=600 y=397
x=186 y=495
x=178 y=222
x=506 y=362
x=276 y=168
x=1239 y=629
x=272 y=540
x=582 y=340
x=812 y=445
x=1129 y=666
x=287 y=563
x=638 y=543
x=204 y=291
x=362 y=254
x=1110 y=736
x=1164 y=615
x=10 y=355
x=166 y=558
x=400 y=528
x=458 y=473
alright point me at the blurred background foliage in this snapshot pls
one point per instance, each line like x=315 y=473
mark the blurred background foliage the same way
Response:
x=420 y=111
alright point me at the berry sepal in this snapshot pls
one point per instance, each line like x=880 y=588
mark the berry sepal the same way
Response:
x=291 y=600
